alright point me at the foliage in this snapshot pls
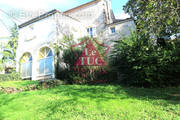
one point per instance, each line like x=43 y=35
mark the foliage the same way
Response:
x=9 y=49
x=66 y=72
x=14 y=76
x=64 y=58
x=145 y=58
x=142 y=63
x=83 y=102
x=155 y=17
x=69 y=72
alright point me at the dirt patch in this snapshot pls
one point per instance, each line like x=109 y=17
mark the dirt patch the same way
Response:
x=41 y=85
x=16 y=90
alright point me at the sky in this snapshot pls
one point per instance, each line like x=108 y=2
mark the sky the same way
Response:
x=14 y=6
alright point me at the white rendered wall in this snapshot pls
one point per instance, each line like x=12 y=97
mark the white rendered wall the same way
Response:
x=44 y=33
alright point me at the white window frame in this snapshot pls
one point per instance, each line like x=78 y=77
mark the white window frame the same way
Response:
x=45 y=74
x=26 y=67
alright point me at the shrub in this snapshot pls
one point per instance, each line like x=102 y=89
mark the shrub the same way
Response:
x=14 y=76
x=80 y=74
x=66 y=72
x=141 y=62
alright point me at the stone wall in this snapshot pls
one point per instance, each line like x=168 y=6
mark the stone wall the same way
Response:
x=92 y=16
x=96 y=15
x=123 y=29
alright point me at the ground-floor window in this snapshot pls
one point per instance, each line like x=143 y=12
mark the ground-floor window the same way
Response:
x=26 y=65
x=45 y=61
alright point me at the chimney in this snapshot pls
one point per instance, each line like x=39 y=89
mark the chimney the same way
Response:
x=109 y=13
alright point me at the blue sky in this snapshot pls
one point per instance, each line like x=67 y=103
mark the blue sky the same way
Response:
x=62 y=5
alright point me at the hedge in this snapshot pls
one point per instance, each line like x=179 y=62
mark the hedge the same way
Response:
x=14 y=76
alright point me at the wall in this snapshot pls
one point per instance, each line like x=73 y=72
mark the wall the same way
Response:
x=123 y=29
x=92 y=16
x=96 y=15
x=66 y=25
x=44 y=33
x=51 y=30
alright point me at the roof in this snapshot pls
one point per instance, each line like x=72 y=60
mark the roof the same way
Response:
x=45 y=15
x=119 y=21
x=81 y=6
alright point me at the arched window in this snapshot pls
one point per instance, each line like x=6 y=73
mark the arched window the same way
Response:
x=26 y=65
x=45 y=57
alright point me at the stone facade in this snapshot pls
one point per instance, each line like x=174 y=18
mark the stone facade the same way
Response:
x=37 y=36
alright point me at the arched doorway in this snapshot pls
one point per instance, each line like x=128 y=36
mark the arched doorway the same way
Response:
x=26 y=66
x=45 y=58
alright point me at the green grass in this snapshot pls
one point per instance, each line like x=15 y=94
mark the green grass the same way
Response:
x=17 y=84
x=83 y=102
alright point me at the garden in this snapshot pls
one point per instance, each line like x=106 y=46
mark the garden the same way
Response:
x=141 y=80
x=89 y=102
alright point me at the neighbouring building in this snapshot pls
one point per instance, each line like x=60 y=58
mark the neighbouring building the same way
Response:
x=35 y=55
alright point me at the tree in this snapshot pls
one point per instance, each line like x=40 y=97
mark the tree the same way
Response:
x=141 y=62
x=9 y=49
x=148 y=65
x=157 y=18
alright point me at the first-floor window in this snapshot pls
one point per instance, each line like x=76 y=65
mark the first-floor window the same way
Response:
x=113 y=30
x=45 y=61
x=92 y=31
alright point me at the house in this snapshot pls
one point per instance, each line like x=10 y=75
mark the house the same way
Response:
x=35 y=53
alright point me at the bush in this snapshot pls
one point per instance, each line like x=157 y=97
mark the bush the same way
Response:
x=141 y=62
x=81 y=74
x=69 y=58
x=14 y=76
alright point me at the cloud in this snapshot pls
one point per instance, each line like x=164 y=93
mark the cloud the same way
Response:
x=122 y=15
x=24 y=10
x=35 y=4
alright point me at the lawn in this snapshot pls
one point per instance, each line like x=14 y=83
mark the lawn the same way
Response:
x=85 y=102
